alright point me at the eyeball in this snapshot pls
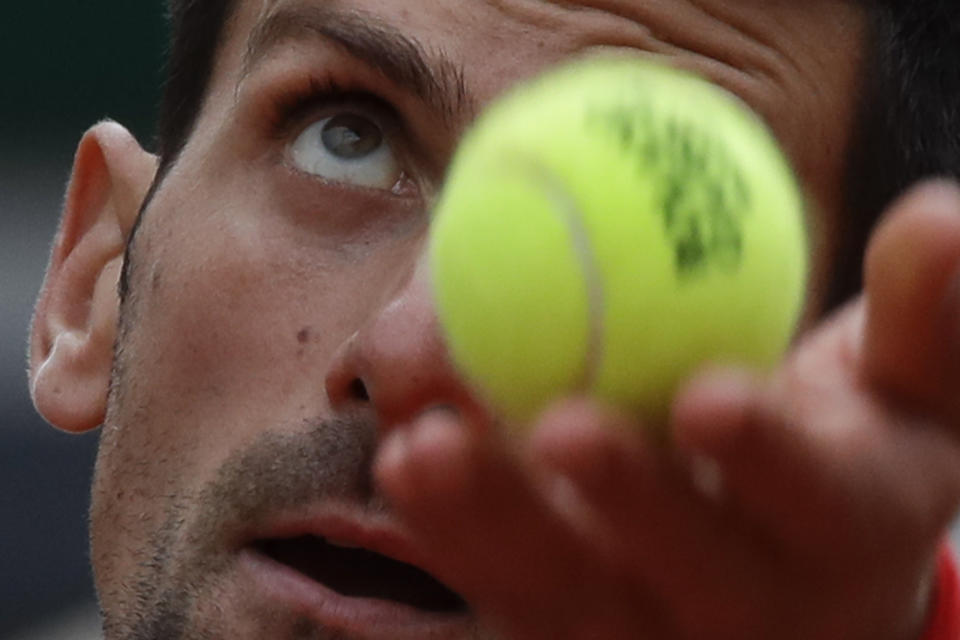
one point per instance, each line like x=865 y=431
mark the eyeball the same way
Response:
x=349 y=148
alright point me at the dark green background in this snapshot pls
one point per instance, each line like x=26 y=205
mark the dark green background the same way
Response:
x=68 y=63
x=64 y=65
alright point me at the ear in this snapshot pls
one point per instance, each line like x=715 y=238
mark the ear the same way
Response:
x=75 y=321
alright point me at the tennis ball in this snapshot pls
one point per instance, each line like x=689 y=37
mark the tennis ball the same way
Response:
x=607 y=229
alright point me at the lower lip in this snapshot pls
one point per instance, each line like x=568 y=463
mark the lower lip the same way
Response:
x=365 y=618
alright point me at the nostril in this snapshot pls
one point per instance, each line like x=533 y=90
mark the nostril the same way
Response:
x=358 y=390
x=347 y=381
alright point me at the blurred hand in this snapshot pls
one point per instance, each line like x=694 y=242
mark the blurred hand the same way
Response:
x=809 y=503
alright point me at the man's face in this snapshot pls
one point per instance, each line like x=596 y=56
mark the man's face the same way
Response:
x=279 y=323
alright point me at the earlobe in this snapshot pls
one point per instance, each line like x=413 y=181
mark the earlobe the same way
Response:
x=74 y=325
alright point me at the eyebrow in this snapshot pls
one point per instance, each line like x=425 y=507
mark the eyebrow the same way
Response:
x=433 y=78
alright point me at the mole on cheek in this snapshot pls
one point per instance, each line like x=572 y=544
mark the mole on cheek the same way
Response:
x=303 y=336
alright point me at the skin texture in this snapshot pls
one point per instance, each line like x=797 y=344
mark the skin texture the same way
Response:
x=261 y=296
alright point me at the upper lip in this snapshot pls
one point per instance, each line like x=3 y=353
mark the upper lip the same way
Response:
x=342 y=526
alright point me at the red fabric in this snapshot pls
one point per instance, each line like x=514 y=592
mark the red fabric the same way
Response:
x=945 y=620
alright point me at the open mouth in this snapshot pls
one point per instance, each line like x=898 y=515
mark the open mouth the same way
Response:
x=359 y=573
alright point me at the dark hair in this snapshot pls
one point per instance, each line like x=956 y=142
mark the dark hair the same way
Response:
x=909 y=120
x=908 y=126
x=196 y=29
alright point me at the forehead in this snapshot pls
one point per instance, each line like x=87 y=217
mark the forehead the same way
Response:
x=797 y=64
x=737 y=43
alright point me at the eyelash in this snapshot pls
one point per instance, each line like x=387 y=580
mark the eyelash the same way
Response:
x=293 y=104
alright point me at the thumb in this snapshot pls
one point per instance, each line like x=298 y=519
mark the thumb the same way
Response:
x=912 y=284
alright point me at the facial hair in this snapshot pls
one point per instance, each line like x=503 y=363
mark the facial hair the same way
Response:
x=174 y=594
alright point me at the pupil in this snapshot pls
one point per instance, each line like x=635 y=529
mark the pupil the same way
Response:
x=350 y=136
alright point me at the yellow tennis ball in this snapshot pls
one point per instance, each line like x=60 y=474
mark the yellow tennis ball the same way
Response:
x=610 y=227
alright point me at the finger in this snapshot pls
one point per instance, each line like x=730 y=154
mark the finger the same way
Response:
x=642 y=508
x=488 y=532
x=911 y=350
x=912 y=335
x=827 y=474
x=779 y=462
x=814 y=459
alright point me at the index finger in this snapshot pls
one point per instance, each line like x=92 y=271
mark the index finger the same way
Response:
x=911 y=350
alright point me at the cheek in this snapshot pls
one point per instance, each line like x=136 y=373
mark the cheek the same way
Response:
x=241 y=319
x=231 y=321
x=232 y=326
x=236 y=316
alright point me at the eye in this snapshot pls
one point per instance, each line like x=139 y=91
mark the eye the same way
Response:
x=349 y=148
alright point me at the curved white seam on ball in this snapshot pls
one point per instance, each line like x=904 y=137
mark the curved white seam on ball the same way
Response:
x=572 y=215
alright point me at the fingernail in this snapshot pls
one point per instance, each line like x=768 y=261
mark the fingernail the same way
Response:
x=394 y=451
x=562 y=492
x=706 y=476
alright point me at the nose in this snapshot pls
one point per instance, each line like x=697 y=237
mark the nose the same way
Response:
x=397 y=363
